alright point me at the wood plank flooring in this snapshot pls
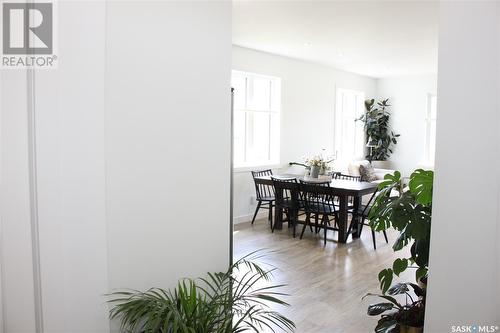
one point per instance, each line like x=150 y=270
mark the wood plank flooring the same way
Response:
x=326 y=283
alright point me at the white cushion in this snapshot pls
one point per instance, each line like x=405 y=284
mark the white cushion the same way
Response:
x=353 y=167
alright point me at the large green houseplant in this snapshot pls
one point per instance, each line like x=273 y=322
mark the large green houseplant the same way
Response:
x=234 y=301
x=380 y=138
x=408 y=209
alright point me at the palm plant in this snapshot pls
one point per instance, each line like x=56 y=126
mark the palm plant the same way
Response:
x=234 y=301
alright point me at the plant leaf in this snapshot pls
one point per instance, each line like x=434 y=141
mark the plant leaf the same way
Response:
x=397 y=289
x=421 y=185
x=387 y=326
x=376 y=309
x=399 y=266
x=420 y=273
x=385 y=279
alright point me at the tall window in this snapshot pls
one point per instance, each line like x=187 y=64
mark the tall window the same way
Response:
x=430 y=148
x=257 y=102
x=349 y=133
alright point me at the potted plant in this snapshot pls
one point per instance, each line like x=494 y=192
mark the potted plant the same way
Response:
x=409 y=211
x=380 y=138
x=317 y=165
x=237 y=300
x=397 y=316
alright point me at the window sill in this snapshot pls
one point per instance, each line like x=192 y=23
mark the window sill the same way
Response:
x=256 y=167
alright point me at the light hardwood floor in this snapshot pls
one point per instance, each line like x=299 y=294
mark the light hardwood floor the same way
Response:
x=325 y=283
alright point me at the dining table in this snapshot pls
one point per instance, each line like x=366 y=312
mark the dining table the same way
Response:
x=340 y=188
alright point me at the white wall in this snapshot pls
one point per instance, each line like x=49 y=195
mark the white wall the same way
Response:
x=464 y=259
x=167 y=140
x=133 y=139
x=69 y=107
x=307 y=110
x=408 y=97
x=15 y=229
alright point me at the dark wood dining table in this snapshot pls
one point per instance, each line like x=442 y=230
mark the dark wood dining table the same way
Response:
x=343 y=189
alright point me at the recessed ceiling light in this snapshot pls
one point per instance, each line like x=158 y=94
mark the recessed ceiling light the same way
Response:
x=307 y=44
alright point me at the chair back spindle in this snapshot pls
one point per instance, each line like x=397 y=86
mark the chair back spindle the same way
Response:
x=347 y=177
x=262 y=190
x=316 y=200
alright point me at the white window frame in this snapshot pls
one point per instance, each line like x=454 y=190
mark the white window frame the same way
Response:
x=273 y=159
x=339 y=126
x=429 y=160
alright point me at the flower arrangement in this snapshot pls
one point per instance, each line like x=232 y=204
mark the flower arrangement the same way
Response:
x=318 y=165
x=319 y=161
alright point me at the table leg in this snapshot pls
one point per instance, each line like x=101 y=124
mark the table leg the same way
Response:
x=278 y=217
x=342 y=219
x=355 y=220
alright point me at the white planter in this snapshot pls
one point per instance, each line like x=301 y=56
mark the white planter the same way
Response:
x=382 y=164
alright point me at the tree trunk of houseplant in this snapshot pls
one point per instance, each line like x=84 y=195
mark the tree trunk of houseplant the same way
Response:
x=410 y=329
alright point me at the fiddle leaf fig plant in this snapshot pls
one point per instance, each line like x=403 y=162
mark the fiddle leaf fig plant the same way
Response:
x=377 y=128
x=409 y=212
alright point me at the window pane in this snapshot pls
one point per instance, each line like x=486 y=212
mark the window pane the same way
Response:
x=349 y=133
x=432 y=141
x=239 y=137
x=256 y=119
x=258 y=126
x=238 y=82
x=275 y=138
x=260 y=95
x=359 y=132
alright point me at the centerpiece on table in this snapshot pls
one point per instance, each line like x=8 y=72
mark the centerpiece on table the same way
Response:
x=317 y=165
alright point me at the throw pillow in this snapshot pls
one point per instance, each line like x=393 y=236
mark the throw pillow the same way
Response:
x=367 y=173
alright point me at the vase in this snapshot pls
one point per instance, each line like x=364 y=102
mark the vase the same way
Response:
x=410 y=329
x=314 y=171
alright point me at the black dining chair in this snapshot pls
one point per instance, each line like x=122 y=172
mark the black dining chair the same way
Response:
x=363 y=213
x=264 y=194
x=287 y=198
x=319 y=203
x=342 y=176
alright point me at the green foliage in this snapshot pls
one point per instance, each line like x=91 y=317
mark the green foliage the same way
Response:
x=395 y=314
x=377 y=129
x=399 y=266
x=410 y=213
x=234 y=301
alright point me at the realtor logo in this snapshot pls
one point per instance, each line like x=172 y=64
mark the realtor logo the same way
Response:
x=28 y=35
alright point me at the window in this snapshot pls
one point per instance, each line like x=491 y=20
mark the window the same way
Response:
x=349 y=133
x=257 y=102
x=430 y=142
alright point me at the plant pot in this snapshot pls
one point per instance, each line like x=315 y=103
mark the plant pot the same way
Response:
x=382 y=164
x=314 y=171
x=410 y=329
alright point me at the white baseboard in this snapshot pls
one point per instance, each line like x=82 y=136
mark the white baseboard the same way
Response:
x=248 y=218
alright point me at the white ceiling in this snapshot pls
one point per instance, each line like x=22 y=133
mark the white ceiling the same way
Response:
x=373 y=38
